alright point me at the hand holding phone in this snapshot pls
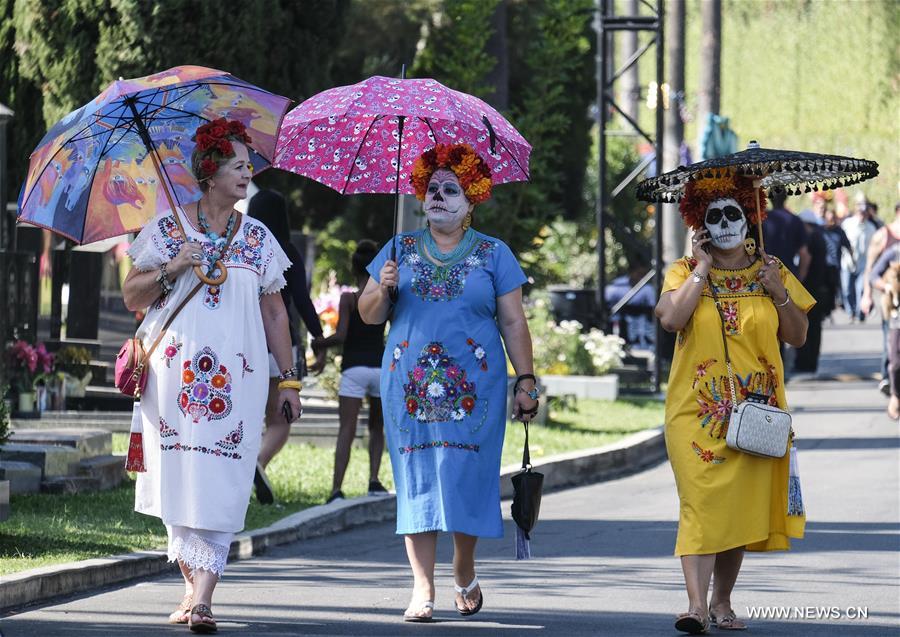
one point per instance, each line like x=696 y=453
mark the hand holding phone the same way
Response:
x=288 y=411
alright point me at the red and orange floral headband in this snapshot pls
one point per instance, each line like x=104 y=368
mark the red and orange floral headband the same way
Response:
x=214 y=145
x=700 y=193
x=471 y=170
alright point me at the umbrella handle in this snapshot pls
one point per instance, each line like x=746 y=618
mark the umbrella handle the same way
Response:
x=223 y=271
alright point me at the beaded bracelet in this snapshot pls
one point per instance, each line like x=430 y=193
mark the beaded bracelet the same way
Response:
x=290 y=384
x=290 y=372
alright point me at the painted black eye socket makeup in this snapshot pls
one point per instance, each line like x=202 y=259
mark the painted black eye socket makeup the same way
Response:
x=732 y=213
x=448 y=189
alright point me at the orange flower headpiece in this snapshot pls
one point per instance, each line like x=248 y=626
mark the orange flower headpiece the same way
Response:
x=700 y=193
x=471 y=170
x=214 y=145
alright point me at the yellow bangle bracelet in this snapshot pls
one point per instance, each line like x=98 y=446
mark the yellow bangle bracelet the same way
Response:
x=290 y=384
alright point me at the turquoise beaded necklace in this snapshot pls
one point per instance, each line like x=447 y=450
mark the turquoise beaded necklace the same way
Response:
x=217 y=240
x=445 y=258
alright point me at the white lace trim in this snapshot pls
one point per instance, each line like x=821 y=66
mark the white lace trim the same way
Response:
x=198 y=553
x=144 y=252
x=272 y=279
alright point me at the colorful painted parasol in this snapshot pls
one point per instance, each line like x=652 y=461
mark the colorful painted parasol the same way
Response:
x=110 y=166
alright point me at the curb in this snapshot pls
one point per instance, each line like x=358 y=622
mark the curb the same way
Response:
x=630 y=455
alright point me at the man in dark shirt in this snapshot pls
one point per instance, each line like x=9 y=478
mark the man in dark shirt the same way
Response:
x=816 y=283
x=785 y=236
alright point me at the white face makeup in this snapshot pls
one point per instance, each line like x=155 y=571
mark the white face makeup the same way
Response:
x=445 y=202
x=726 y=223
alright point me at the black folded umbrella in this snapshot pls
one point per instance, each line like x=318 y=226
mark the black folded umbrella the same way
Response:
x=526 y=505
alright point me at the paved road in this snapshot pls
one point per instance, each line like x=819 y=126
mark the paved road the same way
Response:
x=605 y=565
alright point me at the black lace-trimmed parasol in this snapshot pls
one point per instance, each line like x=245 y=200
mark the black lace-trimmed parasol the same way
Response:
x=791 y=171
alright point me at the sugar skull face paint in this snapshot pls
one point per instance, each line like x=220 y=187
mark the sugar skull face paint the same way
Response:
x=726 y=223
x=445 y=203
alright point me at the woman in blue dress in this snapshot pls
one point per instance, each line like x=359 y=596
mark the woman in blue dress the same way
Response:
x=443 y=383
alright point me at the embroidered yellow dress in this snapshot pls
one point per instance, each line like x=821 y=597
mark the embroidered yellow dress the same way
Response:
x=727 y=498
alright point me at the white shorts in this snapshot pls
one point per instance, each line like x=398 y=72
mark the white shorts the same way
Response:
x=359 y=382
x=274 y=372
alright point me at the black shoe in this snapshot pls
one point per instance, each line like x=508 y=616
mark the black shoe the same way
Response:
x=376 y=488
x=337 y=495
x=263 y=486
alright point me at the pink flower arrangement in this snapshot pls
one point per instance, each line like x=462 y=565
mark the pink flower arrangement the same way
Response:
x=26 y=362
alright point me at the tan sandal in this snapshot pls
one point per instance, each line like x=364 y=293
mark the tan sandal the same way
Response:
x=181 y=615
x=206 y=624
x=728 y=621
x=692 y=623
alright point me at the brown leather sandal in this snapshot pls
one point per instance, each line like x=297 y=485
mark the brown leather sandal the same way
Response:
x=206 y=624
x=692 y=623
x=181 y=615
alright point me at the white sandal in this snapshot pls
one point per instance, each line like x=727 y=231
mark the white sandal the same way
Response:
x=464 y=591
x=424 y=607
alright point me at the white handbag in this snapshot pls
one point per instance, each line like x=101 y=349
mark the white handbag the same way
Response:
x=754 y=427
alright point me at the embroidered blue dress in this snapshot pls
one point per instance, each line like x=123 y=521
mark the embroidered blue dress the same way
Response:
x=444 y=386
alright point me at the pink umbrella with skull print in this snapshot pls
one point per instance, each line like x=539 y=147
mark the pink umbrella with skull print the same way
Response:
x=364 y=138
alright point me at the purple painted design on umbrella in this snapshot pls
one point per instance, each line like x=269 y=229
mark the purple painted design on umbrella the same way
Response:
x=347 y=137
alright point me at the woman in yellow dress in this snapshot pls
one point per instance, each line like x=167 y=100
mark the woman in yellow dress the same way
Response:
x=730 y=501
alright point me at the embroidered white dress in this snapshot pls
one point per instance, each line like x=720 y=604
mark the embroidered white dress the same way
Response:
x=203 y=408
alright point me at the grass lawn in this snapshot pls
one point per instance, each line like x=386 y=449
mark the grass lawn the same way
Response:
x=51 y=529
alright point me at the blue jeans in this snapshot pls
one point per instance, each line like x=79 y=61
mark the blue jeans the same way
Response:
x=852 y=291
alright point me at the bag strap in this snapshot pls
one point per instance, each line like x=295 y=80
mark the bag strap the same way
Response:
x=162 y=332
x=712 y=288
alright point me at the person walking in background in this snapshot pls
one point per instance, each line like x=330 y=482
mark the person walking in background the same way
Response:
x=859 y=230
x=835 y=243
x=443 y=376
x=202 y=409
x=360 y=375
x=885 y=278
x=270 y=208
x=806 y=361
x=730 y=501
x=785 y=236
x=882 y=240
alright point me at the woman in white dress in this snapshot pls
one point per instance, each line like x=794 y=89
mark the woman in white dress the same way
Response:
x=203 y=407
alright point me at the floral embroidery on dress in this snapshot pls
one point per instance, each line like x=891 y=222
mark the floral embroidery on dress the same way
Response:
x=165 y=431
x=438 y=390
x=233 y=439
x=761 y=383
x=245 y=366
x=731 y=283
x=206 y=387
x=715 y=406
x=397 y=353
x=434 y=444
x=479 y=353
x=431 y=282
x=731 y=318
x=169 y=238
x=707 y=455
x=701 y=370
x=233 y=455
x=171 y=351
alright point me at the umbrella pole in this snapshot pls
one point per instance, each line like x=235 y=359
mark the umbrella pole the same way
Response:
x=151 y=150
x=759 y=223
x=393 y=293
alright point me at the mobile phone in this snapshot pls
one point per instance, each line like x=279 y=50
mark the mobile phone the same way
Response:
x=288 y=411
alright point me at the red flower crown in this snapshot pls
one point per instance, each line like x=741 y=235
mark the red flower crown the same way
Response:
x=700 y=193
x=471 y=170
x=214 y=144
